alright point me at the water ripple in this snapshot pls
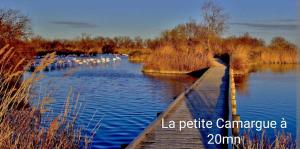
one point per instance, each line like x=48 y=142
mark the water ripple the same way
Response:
x=123 y=98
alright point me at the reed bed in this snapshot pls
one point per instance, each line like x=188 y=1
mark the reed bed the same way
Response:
x=240 y=60
x=270 y=56
x=139 y=55
x=169 y=59
x=251 y=140
x=243 y=58
x=20 y=121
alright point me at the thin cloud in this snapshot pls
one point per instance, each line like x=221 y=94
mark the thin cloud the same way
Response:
x=284 y=20
x=269 y=26
x=74 y=24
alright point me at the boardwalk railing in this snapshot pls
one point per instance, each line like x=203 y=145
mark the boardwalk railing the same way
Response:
x=232 y=107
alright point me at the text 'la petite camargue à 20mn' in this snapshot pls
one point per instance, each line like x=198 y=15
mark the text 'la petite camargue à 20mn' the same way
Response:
x=221 y=123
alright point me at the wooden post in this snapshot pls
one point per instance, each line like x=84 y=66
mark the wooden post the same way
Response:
x=234 y=111
x=236 y=130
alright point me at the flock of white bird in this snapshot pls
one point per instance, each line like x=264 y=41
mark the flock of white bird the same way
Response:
x=88 y=61
x=72 y=61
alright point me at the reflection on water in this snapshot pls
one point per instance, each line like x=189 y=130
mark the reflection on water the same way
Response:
x=268 y=92
x=275 y=68
x=176 y=81
x=242 y=80
x=125 y=99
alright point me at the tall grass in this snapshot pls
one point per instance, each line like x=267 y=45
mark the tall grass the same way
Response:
x=245 y=56
x=20 y=122
x=139 y=55
x=271 y=56
x=169 y=59
x=251 y=140
x=240 y=60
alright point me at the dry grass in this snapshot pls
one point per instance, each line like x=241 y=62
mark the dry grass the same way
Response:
x=139 y=55
x=244 y=56
x=251 y=140
x=20 y=122
x=270 y=56
x=169 y=59
x=124 y=50
x=256 y=51
x=240 y=60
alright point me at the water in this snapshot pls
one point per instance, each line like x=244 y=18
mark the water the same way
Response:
x=126 y=100
x=118 y=94
x=269 y=93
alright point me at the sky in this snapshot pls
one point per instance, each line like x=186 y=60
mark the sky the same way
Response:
x=147 y=18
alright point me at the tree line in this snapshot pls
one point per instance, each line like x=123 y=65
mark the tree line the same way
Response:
x=192 y=37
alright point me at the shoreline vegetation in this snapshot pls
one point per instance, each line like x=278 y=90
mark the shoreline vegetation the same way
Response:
x=167 y=54
x=252 y=140
x=21 y=122
x=185 y=48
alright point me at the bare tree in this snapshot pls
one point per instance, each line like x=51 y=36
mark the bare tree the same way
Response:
x=139 y=42
x=214 y=19
x=13 y=26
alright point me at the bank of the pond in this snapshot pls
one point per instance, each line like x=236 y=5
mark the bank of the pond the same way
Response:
x=165 y=71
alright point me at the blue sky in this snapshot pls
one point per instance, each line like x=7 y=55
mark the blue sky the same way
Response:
x=147 y=18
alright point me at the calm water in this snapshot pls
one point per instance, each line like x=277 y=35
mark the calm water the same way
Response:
x=269 y=94
x=118 y=94
x=126 y=100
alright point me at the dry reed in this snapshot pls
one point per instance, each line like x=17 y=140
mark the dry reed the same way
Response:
x=169 y=59
x=251 y=140
x=270 y=56
x=240 y=60
x=139 y=55
x=20 y=122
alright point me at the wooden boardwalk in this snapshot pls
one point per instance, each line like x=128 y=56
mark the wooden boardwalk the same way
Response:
x=206 y=98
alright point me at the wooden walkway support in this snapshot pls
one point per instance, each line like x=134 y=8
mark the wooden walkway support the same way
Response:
x=232 y=109
x=207 y=99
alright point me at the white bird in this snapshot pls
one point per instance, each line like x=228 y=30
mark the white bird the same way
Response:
x=85 y=61
x=103 y=60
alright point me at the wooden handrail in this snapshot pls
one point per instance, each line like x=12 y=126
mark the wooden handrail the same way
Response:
x=232 y=106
